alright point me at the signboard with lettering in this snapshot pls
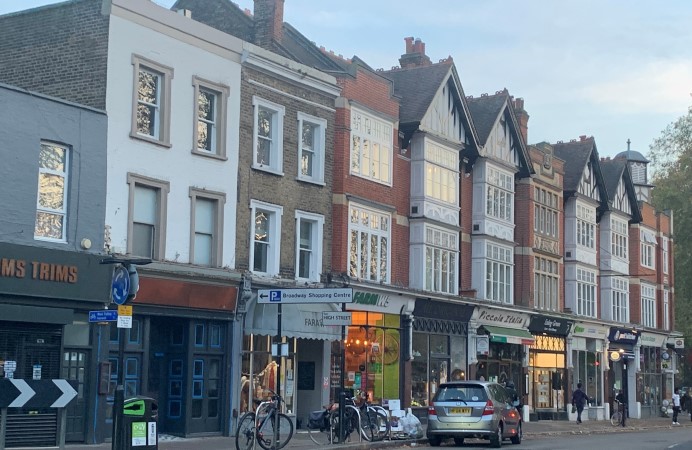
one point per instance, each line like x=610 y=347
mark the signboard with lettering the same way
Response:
x=590 y=330
x=284 y=296
x=623 y=336
x=500 y=318
x=652 y=340
x=556 y=326
x=336 y=318
x=381 y=302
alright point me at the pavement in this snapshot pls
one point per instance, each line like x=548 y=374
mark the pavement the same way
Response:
x=532 y=430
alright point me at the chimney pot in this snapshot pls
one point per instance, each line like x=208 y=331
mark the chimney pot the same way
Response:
x=582 y=137
x=409 y=44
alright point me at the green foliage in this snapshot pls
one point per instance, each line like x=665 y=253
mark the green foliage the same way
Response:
x=671 y=157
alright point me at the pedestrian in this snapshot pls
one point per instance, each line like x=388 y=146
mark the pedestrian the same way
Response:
x=686 y=402
x=676 y=406
x=620 y=397
x=579 y=399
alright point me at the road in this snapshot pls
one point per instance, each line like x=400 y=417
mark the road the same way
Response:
x=673 y=439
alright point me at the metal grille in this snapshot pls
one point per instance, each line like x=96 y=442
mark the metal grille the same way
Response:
x=439 y=326
x=549 y=343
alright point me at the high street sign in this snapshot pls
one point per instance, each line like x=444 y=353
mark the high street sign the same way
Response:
x=17 y=393
x=320 y=295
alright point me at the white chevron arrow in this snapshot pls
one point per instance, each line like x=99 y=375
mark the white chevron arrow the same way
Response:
x=25 y=393
x=68 y=393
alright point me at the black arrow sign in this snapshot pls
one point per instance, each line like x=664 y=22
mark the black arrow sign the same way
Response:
x=263 y=296
x=16 y=393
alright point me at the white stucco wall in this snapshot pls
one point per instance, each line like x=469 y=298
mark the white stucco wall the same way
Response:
x=191 y=52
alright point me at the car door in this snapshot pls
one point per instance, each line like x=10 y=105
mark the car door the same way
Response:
x=510 y=415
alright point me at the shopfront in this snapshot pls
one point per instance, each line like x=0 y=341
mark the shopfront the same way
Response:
x=588 y=363
x=45 y=297
x=375 y=345
x=622 y=355
x=654 y=360
x=548 y=367
x=439 y=347
x=301 y=363
x=499 y=341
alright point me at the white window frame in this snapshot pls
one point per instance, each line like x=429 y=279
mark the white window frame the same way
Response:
x=647 y=249
x=218 y=122
x=275 y=213
x=441 y=173
x=665 y=242
x=666 y=309
x=545 y=213
x=499 y=273
x=441 y=245
x=648 y=303
x=161 y=188
x=276 y=149
x=499 y=198
x=546 y=282
x=619 y=232
x=218 y=200
x=162 y=126
x=316 y=248
x=318 y=150
x=586 y=226
x=379 y=225
x=378 y=133
x=52 y=173
x=620 y=300
x=586 y=292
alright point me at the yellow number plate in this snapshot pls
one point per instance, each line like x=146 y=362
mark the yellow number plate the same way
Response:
x=466 y=411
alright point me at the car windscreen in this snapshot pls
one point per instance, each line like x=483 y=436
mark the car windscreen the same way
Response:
x=467 y=393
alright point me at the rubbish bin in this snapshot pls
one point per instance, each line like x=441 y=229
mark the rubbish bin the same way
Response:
x=138 y=426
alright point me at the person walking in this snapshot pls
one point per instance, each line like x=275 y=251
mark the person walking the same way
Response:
x=579 y=399
x=676 y=406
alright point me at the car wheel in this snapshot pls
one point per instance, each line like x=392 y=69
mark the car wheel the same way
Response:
x=516 y=439
x=434 y=441
x=459 y=441
x=496 y=439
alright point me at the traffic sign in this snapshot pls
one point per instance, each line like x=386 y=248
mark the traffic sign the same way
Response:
x=17 y=393
x=336 y=318
x=103 y=315
x=120 y=285
x=320 y=295
x=124 y=321
x=124 y=310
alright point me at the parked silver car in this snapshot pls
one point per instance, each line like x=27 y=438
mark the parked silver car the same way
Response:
x=473 y=409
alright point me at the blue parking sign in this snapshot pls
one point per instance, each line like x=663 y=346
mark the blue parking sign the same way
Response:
x=274 y=296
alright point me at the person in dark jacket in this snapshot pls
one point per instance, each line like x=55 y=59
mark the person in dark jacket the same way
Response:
x=579 y=399
x=513 y=395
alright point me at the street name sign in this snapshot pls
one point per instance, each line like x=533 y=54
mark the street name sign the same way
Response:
x=318 y=295
x=103 y=315
x=17 y=393
x=336 y=318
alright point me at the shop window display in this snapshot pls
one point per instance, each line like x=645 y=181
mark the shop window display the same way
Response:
x=501 y=364
x=587 y=371
x=649 y=379
x=436 y=359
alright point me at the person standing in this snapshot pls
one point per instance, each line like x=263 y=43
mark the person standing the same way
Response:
x=676 y=406
x=579 y=399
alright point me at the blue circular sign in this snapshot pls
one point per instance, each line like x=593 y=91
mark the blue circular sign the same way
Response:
x=120 y=286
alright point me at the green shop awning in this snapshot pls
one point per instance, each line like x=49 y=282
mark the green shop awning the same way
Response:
x=509 y=335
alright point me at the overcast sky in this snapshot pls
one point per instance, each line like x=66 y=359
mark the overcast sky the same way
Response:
x=612 y=69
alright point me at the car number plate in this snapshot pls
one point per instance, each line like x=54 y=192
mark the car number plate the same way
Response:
x=466 y=411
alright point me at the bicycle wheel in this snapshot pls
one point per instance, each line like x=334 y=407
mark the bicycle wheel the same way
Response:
x=368 y=422
x=616 y=419
x=245 y=433
x=265 y=431
x=350 y=425
x=380 y=424
x=321 y=436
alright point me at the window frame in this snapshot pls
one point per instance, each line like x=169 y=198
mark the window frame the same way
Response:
x=586 y=227
x=360 y=228
x=620 y=294
x=276 y=151
x=666 y=309
x=648 y=305
x=65 y=174
x=434 y=275
x=647 y=249
x=219 y=200
x=619 y=236
x=319 y=153
x=316 y=238
x=546 y=274
x=163 y=137
x=665 y=255
x=586 y=293
x=222 y=93
x=274 y=245
x=494 y=265
x=546 y=213
x=499 y=189
x=385 y=144
x=163 y=189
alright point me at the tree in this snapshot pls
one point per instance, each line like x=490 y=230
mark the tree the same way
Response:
x=671 y=157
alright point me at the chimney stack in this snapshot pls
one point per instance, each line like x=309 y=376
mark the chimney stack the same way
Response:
x=415 y=54
x=269 y=22
x=522 y=118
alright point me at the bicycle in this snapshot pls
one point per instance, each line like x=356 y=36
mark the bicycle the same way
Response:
x=375 y=418
x=323 y=426
x=616 y=418
x=260 y=426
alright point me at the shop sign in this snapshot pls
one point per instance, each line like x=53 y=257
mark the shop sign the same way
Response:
x=680 y=343
x=501 y=318
x=550 y=325
x=623 y=336
x=442 y=310
x=44 y=272
x=482 y=345
x=380 y=302
x=652 y=340
x=590 y=331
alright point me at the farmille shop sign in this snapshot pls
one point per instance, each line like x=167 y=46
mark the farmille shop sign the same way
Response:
x=487 y=316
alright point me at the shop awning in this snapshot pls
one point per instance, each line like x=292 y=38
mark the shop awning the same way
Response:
x=509 y=335
x=297 y=320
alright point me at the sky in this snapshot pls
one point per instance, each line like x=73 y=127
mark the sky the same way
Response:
x=612 y=69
